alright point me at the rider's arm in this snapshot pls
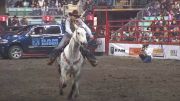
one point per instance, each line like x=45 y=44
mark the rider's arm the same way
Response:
x=88 y=30
x=67 y=26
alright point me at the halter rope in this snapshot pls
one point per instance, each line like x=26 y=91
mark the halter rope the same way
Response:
x=74 y=63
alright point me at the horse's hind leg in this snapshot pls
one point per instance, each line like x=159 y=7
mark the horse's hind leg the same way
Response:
x=60 y=88
x=62 y=81
x=70 y=96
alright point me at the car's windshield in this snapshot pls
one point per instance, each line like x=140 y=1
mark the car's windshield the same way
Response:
x=24 y=29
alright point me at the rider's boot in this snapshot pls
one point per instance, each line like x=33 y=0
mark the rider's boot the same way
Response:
x=89 y=55
x=58 y=50
x=53 y=55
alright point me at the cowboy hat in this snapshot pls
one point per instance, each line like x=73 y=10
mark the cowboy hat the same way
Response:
x=74 y=13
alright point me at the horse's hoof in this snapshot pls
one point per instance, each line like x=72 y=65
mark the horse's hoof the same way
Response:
x=69 y=98
x=94 y=63
x=64 y=86
x=61 y=93
x=76 y=95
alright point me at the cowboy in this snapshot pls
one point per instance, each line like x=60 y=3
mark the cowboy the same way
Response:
x=74 y=18
x=146 y=53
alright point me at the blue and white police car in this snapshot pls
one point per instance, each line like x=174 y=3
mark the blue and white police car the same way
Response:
x=30 y=41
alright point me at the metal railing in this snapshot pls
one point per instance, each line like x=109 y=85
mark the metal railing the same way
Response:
x=140 y=14
x=25 y=11
x=146 y=31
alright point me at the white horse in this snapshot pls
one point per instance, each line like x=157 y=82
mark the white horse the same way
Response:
x=71 y=61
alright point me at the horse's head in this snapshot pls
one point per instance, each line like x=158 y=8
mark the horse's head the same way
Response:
x=80 y=35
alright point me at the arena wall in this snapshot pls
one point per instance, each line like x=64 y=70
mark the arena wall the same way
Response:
x=158 y=51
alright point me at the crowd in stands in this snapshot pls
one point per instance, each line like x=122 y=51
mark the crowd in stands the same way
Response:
x=36 y=3
x=46 y=7
x=157 y=32
x=164 y=8
x=115 y=3
x=14 y=21
x=160 y=30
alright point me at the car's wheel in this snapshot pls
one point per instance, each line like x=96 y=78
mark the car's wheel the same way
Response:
x=15 y=52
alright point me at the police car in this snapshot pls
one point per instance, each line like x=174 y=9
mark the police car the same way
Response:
x=30 y=41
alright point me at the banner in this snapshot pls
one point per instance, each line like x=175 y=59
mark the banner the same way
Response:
x=134 y=51
x=101 y=45
x=118 y=49
x=172 y=52
x=158 y=51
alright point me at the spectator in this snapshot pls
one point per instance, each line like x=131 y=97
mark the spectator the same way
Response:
x=157 y=34
x=166 y=34
x=10 y=21
x=11 y=3
x=24 y=21
x=113 y=35
x=152 y=27
x=101 y=32
x=53 y=21
x=19 y=3
x=175 y=31
x=173 y=24
x=15 y=21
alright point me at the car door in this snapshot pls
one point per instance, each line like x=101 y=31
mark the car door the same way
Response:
x=35 y=40
x=51 y=37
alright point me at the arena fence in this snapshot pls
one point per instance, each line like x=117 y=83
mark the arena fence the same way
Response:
x=121 y=39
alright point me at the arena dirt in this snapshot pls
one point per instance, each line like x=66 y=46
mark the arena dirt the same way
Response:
x=114 y=79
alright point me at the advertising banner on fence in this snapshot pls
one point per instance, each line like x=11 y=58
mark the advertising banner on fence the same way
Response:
x=134 y=51
x=172 y=52
x=101 y=45
x=158 y=51
x=118 y=49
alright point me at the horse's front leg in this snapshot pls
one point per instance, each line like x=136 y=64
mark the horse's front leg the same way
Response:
x=75 y=87
x=60 y=86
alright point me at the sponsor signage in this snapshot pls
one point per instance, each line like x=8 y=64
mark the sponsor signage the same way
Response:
x=44 y=42
x=47 y=18
x=117 y=51
x=158 y=51
x=172 y=52
x=121 y=49
x=134 y=51
x=101 y=45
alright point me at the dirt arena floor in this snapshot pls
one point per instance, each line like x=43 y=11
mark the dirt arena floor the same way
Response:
x=114 y=79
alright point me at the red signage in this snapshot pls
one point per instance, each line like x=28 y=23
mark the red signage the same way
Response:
x=134 y=51
x=3 y=18
x=47 y=18
x=90 y=17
